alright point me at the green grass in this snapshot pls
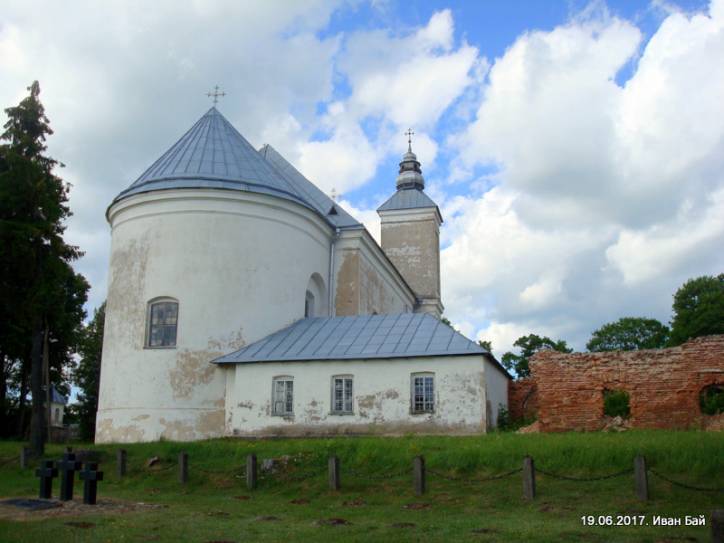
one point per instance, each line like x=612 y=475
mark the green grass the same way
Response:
x=206 y=509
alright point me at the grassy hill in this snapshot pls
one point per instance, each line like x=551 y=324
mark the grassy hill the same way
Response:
x=377 y=502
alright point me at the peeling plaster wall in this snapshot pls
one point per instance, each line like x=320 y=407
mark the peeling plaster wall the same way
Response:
x=381 y=390
x=365 y=281
x=238 y=264
x=496 y=386
x=411 y=240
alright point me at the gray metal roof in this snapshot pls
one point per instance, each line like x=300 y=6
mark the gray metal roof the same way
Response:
x=321 y=202
x=57 y=397
x=357 y=337
x=407 y=199
x=213 y=154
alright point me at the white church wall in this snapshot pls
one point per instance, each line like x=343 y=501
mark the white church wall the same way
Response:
x=239 y=265
x=496 y=385
x=381 y=397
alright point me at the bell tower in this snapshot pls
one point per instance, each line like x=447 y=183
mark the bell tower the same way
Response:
x=411 y=234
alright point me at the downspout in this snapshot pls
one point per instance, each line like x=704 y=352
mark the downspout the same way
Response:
x=330 y=282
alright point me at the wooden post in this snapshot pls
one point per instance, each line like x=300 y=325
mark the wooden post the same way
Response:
x=418 y=473
x=717 y=526
x=641 y=480
x=251 y=472
x=24 y=457
x=333 y=464
x=528 y=478
x=121 y=462
x=183 y=468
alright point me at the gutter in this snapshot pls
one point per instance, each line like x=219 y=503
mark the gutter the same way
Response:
x=330 y=281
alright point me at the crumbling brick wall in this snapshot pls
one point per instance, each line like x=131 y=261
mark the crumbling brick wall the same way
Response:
x=663 y=385
x=522 y=399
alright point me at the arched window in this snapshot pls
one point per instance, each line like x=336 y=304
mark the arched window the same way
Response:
x=162 y=323
x=315 y=297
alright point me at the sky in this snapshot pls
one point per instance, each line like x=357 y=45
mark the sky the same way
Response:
x=575 y=149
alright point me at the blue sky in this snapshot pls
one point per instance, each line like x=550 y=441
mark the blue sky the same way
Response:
x=575 y=148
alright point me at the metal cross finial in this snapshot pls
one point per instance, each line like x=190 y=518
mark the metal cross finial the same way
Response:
x=409 y=135
x=215 y=95
x=334 y=194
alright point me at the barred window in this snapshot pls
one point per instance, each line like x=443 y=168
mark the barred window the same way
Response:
x=283 y=395
x=423 y=393
x=162 y=323
x=342 y=394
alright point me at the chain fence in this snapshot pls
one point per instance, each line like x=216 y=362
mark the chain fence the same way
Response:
x=685 y=485
x=584 y=479
x=469 y=480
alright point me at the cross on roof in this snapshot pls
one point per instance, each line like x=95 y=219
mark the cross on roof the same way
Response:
x=215 y=95
x=409 y=135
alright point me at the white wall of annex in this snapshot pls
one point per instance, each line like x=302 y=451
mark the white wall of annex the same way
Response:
x=381 y=397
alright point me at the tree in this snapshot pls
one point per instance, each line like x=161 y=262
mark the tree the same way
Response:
x=529 y=345
x=35 y=268
x=629 y=334
x=486 y=344
x=88 y=372
x=698 y=309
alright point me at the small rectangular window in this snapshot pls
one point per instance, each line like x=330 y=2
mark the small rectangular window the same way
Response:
x=423 y=393
x=283 y=396
x=342 y=394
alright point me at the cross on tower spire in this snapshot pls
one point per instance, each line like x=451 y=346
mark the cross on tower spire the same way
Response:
x=409 y=135
x=215 y=95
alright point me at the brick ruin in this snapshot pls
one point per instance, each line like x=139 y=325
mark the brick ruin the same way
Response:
x=565 y=391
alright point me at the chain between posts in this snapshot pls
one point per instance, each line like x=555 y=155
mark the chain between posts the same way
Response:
x=584 y=479
x=684 y=485
x=477 y=479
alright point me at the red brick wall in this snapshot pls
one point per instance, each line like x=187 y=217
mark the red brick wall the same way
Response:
x=522 y=399
x=663 y=385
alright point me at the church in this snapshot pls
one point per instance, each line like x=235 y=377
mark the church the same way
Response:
x=243 y=301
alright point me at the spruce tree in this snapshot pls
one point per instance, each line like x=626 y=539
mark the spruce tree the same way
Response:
x=35 y=274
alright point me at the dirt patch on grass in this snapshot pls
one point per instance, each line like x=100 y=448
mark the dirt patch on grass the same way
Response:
x=403 y=525
x=416 y=506
x=242 y=498
x=74 y=508
x=300 y=501
x=84 y=525
x=333 y=522
x=482 y=531
x=357 y=502
x=268 y=518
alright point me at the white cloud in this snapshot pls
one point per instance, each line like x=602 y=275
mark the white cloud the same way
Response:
x=608 y=196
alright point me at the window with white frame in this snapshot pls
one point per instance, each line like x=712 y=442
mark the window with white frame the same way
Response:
x=423 y=392
x=283 y=395
x=342 y=394
x=162 y=323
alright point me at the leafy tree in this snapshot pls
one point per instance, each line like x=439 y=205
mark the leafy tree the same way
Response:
x=35 y=274
x=486 y=344
x=629 y=334
x=529 y=345
x=88 y=371
x=698 y=309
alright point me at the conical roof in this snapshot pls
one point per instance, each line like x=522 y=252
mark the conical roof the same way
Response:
x=213 y=154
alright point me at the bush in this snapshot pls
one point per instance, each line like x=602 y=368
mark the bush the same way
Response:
x=616 y=403
x=711 y=400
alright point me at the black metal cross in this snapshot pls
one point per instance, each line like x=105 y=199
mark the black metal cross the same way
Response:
x=67 y=467
x=409 y=135
x=90 y=476
x=46 y=472
x=215 y=95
